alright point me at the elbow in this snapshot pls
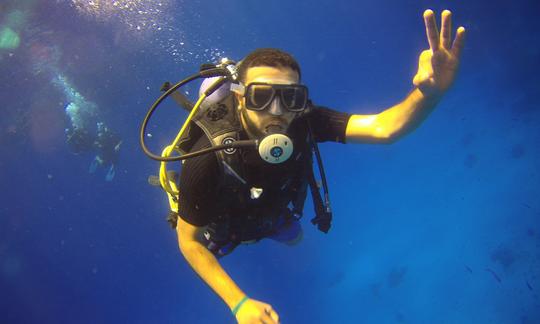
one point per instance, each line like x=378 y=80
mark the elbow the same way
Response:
x=190 y=247
x=389 y=132
x=385 y=130
x=389 y=128
x=185 y=245
x=190 y=250
x=390 y=138
x=384 y=136
x=397 y=134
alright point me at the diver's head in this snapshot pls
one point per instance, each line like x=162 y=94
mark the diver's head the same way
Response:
x=269 y=57
x=272 y=96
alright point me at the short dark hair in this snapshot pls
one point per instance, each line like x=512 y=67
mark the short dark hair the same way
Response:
x=267 y=57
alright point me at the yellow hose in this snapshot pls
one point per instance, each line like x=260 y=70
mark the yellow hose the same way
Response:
x=163 y=177
x=169 y=185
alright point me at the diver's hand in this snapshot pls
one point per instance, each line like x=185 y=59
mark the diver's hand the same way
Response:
x=256 y=312
x=438 y=65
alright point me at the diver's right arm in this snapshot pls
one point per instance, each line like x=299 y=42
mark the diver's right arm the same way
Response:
x=205 y=264
x=208 y=268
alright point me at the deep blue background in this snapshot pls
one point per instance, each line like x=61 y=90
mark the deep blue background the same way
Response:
x=418 y=225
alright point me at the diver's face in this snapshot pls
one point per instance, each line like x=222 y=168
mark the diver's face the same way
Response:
x=275 y=117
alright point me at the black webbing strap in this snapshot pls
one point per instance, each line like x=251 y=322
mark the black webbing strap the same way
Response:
x=323 y=212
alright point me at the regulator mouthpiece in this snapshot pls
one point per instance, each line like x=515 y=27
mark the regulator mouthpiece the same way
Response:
x=276 y=148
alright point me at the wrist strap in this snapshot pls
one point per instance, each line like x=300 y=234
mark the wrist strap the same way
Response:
x=240 y=303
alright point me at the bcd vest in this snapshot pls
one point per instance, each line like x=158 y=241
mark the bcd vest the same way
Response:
x=252 y=202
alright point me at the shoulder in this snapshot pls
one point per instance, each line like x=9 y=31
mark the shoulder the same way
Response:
x=327 y=124
x=317 y=112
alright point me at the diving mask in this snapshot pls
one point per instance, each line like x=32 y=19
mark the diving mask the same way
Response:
x=259 y=95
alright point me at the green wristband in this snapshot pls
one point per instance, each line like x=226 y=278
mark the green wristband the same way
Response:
x=240 y=303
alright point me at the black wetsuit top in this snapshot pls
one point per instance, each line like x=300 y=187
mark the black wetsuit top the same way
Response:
x=200 y=176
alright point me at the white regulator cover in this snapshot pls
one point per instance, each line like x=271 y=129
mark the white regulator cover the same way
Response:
x=218 y=95
x=276 y=148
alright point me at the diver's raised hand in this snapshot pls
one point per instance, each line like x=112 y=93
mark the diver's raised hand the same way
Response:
x=256 y=312
x=438 y=65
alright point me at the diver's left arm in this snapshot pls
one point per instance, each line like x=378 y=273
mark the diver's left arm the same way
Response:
x=437 y=70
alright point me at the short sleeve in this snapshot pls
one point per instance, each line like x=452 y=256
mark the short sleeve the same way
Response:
x=197 y=186
x=328 y=124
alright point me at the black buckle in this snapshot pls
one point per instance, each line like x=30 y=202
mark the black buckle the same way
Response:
x=323 y=222
x=172 y=219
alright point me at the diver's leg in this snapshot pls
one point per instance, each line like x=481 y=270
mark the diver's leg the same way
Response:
x=290 y=233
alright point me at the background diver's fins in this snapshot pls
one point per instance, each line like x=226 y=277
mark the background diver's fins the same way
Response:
x=93 y=166
x=110 y=174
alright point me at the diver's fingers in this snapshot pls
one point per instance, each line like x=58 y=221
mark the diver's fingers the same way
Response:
x=446 y=29
x=457 y=47
x=431 y=29
x=273 y=315
x=265 y=319
x=269 y=316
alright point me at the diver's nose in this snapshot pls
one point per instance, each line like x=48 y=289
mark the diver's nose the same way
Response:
x=276 y=108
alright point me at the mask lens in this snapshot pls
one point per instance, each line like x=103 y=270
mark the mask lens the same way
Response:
x=294 y=98
x=259 y=95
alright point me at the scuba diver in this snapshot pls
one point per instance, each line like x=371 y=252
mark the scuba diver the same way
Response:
x=107 y=146
x=85 y=132
x=85 y=135
x=79 y=133
x=257 y=120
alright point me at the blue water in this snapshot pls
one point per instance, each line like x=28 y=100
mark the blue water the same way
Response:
x=440 y=227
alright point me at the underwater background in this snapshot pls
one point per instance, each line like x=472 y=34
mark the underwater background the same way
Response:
x=440 y=227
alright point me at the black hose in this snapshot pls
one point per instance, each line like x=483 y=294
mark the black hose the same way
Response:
x=205 y=73
x=152 y=110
